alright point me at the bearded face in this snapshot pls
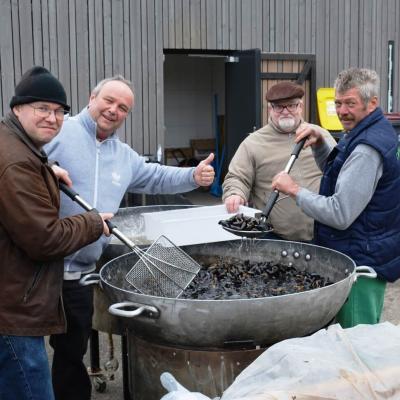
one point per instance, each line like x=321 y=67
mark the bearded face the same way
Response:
x=286 y=115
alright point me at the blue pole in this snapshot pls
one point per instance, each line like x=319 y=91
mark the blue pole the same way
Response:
x=216 y=189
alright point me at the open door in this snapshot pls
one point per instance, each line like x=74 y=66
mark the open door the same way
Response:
x=243 y=98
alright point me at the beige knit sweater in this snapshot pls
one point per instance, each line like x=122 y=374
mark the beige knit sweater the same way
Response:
x=258 y=159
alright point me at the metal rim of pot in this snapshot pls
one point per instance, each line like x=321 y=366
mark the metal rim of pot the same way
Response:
x=154 y=316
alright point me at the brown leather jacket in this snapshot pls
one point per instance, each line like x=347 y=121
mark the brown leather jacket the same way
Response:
x=33 y=240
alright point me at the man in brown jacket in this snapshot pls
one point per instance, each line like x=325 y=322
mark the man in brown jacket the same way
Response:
x=33 y=240
x=264 y=153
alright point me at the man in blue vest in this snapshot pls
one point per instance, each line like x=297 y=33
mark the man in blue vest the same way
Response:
x=357 y=210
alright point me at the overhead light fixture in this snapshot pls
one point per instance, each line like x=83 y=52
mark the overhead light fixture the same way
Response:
x=200 y=55
x=231 y=59
x=228 y=59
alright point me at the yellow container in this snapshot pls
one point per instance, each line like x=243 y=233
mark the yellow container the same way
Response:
x=327 y=111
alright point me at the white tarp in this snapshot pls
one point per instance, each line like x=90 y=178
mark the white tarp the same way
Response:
x=347 y=364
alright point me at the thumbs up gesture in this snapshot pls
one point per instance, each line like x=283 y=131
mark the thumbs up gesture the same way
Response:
x=204 y=172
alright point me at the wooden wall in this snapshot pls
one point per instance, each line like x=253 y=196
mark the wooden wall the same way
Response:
x=271 y=66
x=82 y=41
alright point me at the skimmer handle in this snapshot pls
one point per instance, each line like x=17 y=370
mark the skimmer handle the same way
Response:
x=273 y=197
x=113 y=228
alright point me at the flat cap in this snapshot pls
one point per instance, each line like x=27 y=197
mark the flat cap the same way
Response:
x=285 y=90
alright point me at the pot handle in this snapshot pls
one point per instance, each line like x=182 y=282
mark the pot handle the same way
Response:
x=90 y=279
x=366 y=271
x=117 y=309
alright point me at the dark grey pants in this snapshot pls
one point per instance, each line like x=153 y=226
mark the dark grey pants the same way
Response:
x=70 y=378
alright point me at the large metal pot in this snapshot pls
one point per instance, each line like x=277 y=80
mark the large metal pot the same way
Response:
x=131 y=222
x=216 y=323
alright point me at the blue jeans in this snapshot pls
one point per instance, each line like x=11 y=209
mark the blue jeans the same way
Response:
x=24 y=369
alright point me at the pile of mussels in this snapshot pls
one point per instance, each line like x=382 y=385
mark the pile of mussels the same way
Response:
x=241 y=222
x=235 y=279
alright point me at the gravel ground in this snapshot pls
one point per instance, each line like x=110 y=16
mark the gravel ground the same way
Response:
x=114 y=390
x=391 y=308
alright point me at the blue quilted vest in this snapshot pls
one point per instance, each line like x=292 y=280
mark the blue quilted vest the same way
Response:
x=374 y=237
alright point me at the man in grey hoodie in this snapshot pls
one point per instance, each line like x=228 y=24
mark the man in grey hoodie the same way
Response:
x=101 y=169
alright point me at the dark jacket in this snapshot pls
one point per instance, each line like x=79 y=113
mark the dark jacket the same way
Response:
x=33 y=240
x=373 y=239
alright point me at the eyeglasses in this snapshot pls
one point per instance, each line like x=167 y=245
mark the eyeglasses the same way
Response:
x=45 y=112
x=280 y=107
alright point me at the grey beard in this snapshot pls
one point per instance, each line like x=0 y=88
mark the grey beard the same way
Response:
x=287 y=124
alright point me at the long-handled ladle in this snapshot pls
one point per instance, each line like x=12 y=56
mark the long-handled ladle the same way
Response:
x=261 y=227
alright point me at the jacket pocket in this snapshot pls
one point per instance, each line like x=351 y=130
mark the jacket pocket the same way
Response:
x=34 y=282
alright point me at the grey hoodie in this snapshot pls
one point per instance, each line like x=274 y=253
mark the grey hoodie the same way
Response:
x=101 y=173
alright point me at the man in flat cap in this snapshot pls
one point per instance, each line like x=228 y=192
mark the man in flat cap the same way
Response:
x=357 y=209
x=265 y=152
x=33 y=239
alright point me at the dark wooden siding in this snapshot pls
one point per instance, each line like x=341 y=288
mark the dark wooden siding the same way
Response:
x=82 y=41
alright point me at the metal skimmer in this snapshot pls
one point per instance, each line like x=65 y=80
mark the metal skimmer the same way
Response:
x=162 y=270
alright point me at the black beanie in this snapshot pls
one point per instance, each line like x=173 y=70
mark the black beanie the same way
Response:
x=38 y=84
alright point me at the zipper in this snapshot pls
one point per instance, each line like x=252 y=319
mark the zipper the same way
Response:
x=95 y=190
x=96 y=174
x=36 y=278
